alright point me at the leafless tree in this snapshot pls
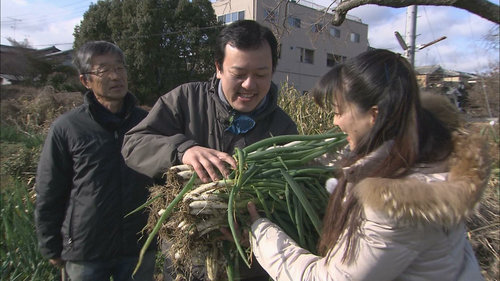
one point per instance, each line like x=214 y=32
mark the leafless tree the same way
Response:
x=482 y=8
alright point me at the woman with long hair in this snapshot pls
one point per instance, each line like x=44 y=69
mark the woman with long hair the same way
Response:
x=410 y=177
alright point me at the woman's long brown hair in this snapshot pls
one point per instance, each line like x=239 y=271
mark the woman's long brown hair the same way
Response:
x=385 y=79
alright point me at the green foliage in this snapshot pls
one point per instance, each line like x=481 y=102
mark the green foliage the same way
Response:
x=491 y=132
x=40 y=69
x=21 y=164
x=166 y=43
x=94 y=25
x=19 y=255
x=64 y=78
x=12 y=134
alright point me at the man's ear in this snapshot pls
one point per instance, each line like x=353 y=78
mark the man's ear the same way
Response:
x=84 y=81
x=218 y=70
x=374 y=114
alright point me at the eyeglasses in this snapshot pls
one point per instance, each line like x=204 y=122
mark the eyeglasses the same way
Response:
x=106 y=71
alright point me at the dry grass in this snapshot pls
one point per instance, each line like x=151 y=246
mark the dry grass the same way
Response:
x=310 y=119
x=483 y=232
x=31 y=111
x=186 y=249
x=484 y=225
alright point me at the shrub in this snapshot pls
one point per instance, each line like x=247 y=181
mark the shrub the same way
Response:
x=309 y=117
x=14 y=135
x=33 y=113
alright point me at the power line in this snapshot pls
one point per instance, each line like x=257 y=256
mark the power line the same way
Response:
x=433 y=36
x=32 y=13
x=474 y=44
x=35 y=18
x=15 y=21
x=146 y=36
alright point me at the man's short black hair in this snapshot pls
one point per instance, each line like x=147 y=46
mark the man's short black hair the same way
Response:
x=245 y=35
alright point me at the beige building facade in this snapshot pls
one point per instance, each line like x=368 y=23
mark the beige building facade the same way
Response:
x=309 y=44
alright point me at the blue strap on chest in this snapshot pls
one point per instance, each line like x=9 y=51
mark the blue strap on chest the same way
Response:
x=241 y=124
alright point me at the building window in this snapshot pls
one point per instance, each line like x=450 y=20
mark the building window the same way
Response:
x=335 y=32
x=332 y=60
x=317 y=27
x=271 y=16
x=306 y=55
x=228 y=18
x=295 y=22
x=354 y=37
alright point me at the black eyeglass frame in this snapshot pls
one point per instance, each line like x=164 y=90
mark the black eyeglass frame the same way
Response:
x=118 y=69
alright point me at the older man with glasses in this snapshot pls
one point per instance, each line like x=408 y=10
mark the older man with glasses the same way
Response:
x=84 y=188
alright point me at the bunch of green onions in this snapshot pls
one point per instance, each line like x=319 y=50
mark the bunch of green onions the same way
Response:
x=278 y=174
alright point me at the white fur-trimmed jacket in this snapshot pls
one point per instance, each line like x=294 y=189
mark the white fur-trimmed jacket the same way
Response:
x=412 y=228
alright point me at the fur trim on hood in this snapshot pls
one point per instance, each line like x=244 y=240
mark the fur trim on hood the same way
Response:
x=443 y=109
x=445 y=202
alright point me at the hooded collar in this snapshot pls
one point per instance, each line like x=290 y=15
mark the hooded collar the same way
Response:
x=362 y=167
x=106 y=118
x=426 y=196
x=443 y=192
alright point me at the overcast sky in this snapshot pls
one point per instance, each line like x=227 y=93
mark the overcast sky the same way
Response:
x=44 y=23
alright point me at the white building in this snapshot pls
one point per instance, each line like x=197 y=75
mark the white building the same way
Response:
x=309 y=44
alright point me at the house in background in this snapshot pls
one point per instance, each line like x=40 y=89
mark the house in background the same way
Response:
x=308 y=44
x=19 y=63
x=434 y=76
x=14 y=64
x=61 y=57
x=450 y=83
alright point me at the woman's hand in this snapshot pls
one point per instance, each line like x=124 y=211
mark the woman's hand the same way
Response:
x=242 y=237
x=252 y=210
x=226 y=232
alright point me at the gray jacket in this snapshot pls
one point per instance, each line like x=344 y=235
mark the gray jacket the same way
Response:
x=193 y=114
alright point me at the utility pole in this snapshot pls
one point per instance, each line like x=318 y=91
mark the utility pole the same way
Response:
x=411 y=32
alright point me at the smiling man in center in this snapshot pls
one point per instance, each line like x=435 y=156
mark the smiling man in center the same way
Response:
x=201 y=123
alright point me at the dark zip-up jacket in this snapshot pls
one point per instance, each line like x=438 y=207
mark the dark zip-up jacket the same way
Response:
x=84 y=188
x=193 y=114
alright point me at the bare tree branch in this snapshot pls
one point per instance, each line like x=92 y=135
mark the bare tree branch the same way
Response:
x=482 y=8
